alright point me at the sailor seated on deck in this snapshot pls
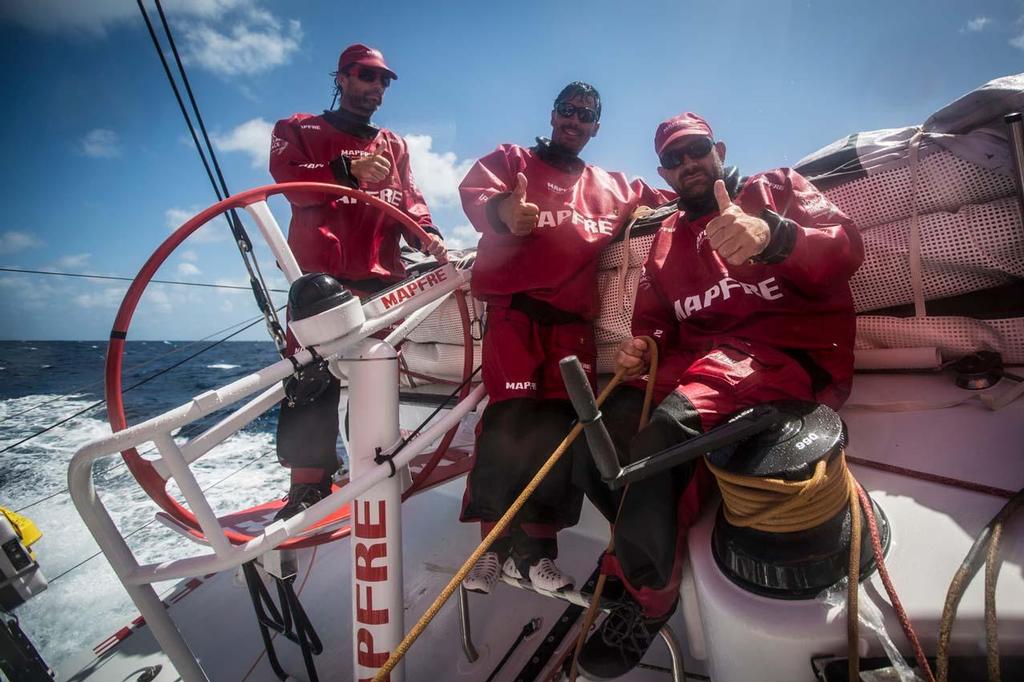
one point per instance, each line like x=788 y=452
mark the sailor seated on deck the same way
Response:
x=746 y=295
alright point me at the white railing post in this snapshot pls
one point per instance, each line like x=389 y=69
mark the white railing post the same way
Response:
x=121 y=559
x=377 y=585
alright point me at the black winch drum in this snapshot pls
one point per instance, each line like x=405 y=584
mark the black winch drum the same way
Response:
x=796 y=565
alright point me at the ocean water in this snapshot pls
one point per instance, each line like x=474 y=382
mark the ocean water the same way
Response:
x=44 y=382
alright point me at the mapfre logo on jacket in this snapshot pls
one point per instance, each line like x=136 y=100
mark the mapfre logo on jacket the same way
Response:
x=767 y=289
x=598 y=225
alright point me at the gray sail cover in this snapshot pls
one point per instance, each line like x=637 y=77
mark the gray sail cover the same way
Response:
x=959 y=197
x=970 y=128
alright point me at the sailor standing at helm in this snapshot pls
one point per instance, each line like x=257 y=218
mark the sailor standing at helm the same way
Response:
x=349 y=240
x=746 y=294
x=544 y=216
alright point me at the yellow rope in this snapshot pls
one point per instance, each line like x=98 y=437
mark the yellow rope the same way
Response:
x=485 y=544
x=775 y=505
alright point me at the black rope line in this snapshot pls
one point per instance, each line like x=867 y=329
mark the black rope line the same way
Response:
x=192 y=100
x=259 y=285
x=181 y=103
x=415 y=432
x=132 y=279
x=135 y=385
x=152 y=520
x=242 y=240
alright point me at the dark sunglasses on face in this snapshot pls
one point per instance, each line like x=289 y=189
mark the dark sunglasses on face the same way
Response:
x=698 y=149
x=371 y=76
x=583 y=114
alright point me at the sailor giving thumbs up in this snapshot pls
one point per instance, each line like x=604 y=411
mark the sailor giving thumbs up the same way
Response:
x=519 y=216
x=735 y=235
x=372 y=168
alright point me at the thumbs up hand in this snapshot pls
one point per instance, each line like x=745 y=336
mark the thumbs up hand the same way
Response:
x=734 y=235
x=519 y=216
x=372 y=168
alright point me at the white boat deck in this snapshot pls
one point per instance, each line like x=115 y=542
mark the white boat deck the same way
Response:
x=739 y=636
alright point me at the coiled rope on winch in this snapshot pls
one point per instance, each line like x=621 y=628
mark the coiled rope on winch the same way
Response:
x=774 y=505
x=778 y=506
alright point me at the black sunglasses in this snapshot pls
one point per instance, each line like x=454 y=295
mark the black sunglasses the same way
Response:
x=372 y=75
x=698 y=149
x=583 y=114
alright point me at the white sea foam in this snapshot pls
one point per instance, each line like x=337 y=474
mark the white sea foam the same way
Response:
x=222 y=365
x=239 y=473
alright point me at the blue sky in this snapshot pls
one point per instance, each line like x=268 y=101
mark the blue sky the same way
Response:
x=99 y=168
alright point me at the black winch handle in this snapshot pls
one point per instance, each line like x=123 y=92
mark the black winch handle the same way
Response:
x=601 y=447
x=738 y=428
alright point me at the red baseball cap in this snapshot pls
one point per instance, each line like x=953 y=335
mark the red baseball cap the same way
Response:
x=686 y=123
x=364 y=56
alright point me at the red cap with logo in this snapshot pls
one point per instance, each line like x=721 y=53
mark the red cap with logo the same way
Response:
x=686 y=123
x=364 y=56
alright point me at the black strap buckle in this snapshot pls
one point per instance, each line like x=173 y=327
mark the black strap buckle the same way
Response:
x=379 y=458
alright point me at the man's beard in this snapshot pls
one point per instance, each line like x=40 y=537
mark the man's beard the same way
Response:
x=703 y=201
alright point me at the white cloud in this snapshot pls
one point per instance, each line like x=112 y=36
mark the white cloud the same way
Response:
x=187 y=269
x=100 y=144
x=250 y=45
x=215 y=230
x=227 y=37
x=1018 y=42
x=78 y=260
x=97 y=16
x=976 y=24
x=437 y=174
x=189 y=255
x=13 y=241
x=461 y=237
x=108 y=298
x=252 y=138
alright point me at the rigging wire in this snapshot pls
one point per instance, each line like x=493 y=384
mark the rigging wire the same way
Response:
x=132 y=279
x=135 y=385
x=242 y=241
x=150 y=522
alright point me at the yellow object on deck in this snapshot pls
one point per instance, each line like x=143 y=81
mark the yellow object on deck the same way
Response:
x=26 y=529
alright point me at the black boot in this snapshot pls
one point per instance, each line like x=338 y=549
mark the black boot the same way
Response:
x=621 y=641
x=302 y=496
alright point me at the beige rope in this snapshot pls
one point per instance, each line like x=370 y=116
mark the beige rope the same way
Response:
x=639 y=213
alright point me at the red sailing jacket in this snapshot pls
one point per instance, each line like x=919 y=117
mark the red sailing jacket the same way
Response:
x=581 y=208
x=689 y=299
x=342 y=237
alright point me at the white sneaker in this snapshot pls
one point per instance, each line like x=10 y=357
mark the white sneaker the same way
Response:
x=511 y=570
x=544 y=575
x=484 y=574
